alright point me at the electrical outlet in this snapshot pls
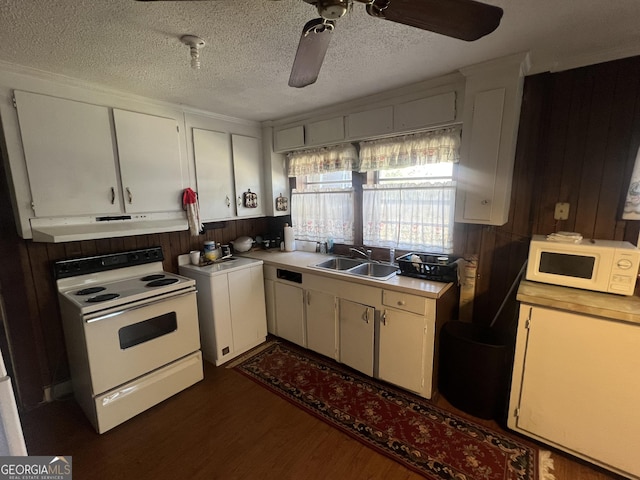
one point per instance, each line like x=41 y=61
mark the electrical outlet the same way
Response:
x=561 y=212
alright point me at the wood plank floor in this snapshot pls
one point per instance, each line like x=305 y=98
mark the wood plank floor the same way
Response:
x=225 y=427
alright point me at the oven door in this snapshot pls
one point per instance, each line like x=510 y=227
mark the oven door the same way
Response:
x=127 y=343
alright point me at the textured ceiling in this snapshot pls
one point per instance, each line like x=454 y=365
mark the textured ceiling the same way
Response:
x=135 y=47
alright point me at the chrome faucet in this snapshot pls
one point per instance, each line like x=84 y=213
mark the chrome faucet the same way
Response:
x=362 y=252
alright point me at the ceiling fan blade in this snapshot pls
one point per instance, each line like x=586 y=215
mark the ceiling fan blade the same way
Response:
x=463 y=19
x=312 y=48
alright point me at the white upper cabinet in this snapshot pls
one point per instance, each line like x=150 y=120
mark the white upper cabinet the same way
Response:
x=149 y=153
x=424 y=112
x=493 y=96
x=370 y=123
x=247 y=170
x=228 y=159
x=325 y=131
x=214 y=172
x=69 y=153
x=288 y=138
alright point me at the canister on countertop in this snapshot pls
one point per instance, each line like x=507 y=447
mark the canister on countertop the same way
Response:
x=209 y=247
x=211 y=250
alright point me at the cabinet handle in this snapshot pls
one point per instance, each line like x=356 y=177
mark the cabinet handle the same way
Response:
x=228 y=201
x=384 y=317
x=239 y=201
x=113 y=195
x=366 y=315
x=402 y=303
x=308 y=297
x=129 y=195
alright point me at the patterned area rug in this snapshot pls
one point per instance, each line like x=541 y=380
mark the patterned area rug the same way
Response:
x=425 y=438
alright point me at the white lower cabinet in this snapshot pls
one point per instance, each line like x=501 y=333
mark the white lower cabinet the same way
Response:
x=575 y=385
x=401 y=353
x=387 y=334
x=321 y=322
x=356 y=326
x=289 y=310
x=231 y=307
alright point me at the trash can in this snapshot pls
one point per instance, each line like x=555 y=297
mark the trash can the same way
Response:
x=473 y=369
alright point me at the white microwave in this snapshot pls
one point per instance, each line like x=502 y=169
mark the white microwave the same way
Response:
x=600 y=265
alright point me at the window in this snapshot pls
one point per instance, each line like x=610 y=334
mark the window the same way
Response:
x=406 y=203
x=410 y=208
x=322 y=202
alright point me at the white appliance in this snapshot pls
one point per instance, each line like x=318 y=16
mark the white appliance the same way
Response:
x=131 y=331
x=11 y=437
x=600 y=265
x=231 y=306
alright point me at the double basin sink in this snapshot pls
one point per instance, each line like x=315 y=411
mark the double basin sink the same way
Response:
x=364 y=268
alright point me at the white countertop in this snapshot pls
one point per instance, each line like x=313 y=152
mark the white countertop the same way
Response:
x=606 y=305
x=219 y=267
x=304 y=261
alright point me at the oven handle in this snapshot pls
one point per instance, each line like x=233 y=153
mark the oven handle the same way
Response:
x=130 y=309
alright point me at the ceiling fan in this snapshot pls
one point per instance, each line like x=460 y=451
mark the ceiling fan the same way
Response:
x=462 y=19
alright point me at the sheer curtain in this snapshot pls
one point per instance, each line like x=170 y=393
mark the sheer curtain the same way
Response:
x=326 y=213
x=632 y=203
x=417 y=214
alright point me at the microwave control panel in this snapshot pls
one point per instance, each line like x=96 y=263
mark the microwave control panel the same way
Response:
x=624 y=271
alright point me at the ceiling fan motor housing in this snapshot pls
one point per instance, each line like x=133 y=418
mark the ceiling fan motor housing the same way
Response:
x=332 y=9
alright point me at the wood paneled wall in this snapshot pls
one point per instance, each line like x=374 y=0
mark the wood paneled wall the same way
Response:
x=577 y=142
x=579 y=133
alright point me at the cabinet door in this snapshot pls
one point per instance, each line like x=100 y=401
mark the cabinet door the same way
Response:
x=214 y=174
x=289 y=313
x=356 y=324
x=480 y=172
x=150 y=166
x=369 y=123
x=70 y=156
x=580 y=386
x=321 y=322
x=247 y=170
x=248 y=313
x=401 y=357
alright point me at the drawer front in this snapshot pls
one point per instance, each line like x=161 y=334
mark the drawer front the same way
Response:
x=403 y=301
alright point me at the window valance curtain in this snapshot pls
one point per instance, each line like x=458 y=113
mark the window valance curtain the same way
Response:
x=323 y=160
x=410 y=150
x=632 y=203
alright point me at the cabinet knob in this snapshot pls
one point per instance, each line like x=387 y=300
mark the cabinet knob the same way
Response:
x=402 y=303
x=484 y=202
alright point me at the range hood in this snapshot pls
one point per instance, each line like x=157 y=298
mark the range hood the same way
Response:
x=70 y=229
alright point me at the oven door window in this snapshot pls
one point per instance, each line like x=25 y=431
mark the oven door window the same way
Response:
x=577 y=266
x=141 y=332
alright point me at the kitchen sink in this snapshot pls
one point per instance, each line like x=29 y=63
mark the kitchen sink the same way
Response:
x=340 y=263
x=379 y=271
x=363 y=268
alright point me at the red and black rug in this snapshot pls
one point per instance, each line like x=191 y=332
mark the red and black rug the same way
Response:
x=425 y=438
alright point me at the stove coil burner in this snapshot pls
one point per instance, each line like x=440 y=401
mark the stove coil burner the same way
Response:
x=155 y=276
x=103 y=298
x=90 y=290
x=162 y=282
